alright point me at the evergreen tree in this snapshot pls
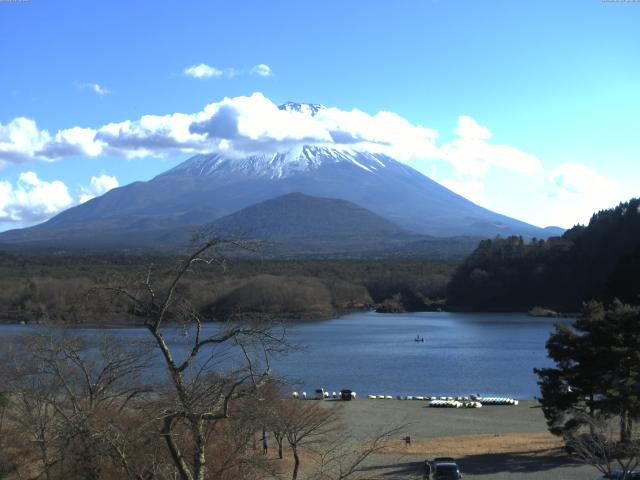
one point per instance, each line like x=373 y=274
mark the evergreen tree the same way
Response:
x=599 y=261
x=597 y=370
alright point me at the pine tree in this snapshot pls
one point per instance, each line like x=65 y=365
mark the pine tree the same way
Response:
x=597 y=370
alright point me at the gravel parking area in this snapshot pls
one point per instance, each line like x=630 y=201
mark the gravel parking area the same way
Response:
x=492 y=442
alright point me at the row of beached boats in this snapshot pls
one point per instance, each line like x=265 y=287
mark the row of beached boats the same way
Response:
x=471 y=401
x=454 y=404
x=322 y=394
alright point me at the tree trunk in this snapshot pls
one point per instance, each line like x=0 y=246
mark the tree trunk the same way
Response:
x=174 y=450
x=296 y=464
x=88 y=463
x=45 y=458
x=279 y=440
x=592 y=430
x=625 y=435
x=200 y=459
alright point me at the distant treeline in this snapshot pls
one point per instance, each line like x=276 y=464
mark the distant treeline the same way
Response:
x=70 y=288
x=600 y=261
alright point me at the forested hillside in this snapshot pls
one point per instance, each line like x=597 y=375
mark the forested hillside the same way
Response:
x=62 y=288
x=600 y=261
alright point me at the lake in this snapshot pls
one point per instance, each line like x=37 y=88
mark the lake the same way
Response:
x=371 y=353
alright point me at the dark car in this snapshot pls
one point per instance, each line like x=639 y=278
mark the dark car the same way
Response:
x=346 y=394
x=444 y=460
x=446 y=471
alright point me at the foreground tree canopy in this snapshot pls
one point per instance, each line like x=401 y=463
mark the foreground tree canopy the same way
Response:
x=592 y=396
x=597 y=372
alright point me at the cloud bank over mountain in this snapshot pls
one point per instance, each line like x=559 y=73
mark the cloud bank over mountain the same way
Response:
x=245 y=125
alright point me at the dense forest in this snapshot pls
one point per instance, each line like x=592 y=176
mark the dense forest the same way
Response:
x=599 y=261
x=68 y=288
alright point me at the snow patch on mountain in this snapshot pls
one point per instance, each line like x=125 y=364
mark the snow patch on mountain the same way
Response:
x=300 y=159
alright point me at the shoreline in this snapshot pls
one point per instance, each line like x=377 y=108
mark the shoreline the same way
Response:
x=281 y=318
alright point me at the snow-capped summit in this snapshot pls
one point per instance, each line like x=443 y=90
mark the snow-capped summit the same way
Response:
x=308 y=108
x=298 y=160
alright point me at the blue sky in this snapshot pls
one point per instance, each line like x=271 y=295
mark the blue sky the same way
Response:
x=555 y=83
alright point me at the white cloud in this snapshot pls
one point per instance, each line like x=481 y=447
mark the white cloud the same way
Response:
x=98 y=186
x=262 y=69
x=235 y=126
x=32 y=199
x=468 y=164
x=245 y=125
x=20 y=140
x=577 y=191
x=472 y=154
x=96 y=88
x=470 y=129
x=254 y=124
x=577 y=179
x=203 y=71
x=568 y=194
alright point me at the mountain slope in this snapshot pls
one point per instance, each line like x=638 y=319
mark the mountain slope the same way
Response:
x=374 y=181
x=296 y=224
x=206 y=187
x=296 y=216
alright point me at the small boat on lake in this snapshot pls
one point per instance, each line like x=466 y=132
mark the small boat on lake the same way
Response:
x=418 y=339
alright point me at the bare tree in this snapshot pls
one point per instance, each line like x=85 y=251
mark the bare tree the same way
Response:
x=30 y=411
x=232 y=447
x=276 y=425
x=65 y=397
x=215 y=369
x=602 y=448
x=306 y=425
x=343 y=456
x=315 y=428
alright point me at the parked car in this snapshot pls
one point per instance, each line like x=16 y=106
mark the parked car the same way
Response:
x=443 y=460
x=445 y=470
x=346 y=394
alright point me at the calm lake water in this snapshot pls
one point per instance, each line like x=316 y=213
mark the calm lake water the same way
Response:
x=370 y=353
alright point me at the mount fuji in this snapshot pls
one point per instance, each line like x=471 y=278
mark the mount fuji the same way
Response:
x=207 y=187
